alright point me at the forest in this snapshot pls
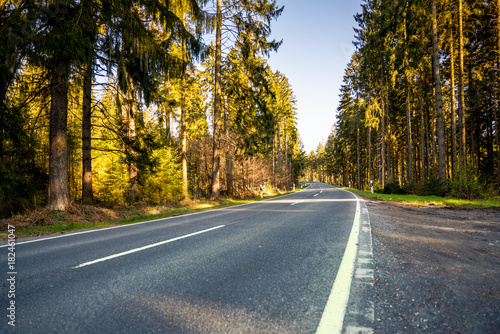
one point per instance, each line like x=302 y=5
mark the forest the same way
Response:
x=141 y=101
x=419 y=107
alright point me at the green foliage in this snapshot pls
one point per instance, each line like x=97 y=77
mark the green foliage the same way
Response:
x=393 y=187
x=469 y=186
x=434 y=186
x=164 y=183
x=387 y=123
x=148 y=48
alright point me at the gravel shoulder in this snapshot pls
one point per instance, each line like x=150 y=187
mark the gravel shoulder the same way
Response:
x=437 y=269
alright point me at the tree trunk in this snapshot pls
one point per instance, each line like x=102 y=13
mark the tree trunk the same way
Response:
x=229 y=150
x=422 y=135
x=184 y=144
x=168 y=131
x=432 y=144
x=358 y=160
x=369 y=155
x=286 y=155
x=278 y=148
x=58 y=158
x=461 y=93
x=87 y=193
x=134 y=185
x=409 y=144
x=217 y=105
x=382 y=135
x=347 y=177
x=439 y=100
x=453 y=112
x=498 y=93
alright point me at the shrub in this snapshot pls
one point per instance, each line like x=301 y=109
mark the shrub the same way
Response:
x=393 y=187
x=469 y=186
x=434 y=186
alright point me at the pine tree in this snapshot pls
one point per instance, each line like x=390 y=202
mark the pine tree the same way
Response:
x=251 y=21
x=439 y=101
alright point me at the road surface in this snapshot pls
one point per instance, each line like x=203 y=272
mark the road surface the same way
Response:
x=267 y=266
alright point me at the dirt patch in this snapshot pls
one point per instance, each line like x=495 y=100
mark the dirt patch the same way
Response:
x=437 y=269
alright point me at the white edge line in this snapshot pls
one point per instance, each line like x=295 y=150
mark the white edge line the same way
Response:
x=333 y=316
x=144 y=222
x=144 y=247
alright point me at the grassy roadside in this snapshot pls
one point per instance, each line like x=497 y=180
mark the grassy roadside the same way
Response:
x=45 y=222
x=430 y=200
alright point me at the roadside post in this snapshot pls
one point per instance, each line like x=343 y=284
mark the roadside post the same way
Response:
x=261 y=196
x=294 y=187
x=371 y=185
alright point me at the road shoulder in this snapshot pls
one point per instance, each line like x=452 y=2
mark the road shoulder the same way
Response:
x=436 y=269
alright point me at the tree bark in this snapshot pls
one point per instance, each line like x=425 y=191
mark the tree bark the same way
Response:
x=453 y=111
x=168 y=131
x=409 y=144
x=58 y=159
x=184 y=143
x=87 y=192
x=369 y=154
x=134 y=185
x=422 y=135
x=382 y=134
x=358 y=160
x=229 y=150
x=439 y=100
x=498 y=92
x=461 y=106
x=217 y=105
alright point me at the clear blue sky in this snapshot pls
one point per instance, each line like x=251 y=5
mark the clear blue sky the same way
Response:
x=317 y=45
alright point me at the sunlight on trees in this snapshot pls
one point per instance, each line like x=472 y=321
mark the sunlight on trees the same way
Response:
x=119 y=107
x=401 y=84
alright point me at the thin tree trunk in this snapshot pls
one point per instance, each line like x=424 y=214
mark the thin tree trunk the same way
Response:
x=217 y=105
x=433 y=145
x=134 y=185
x=453 y=112
x=184 y=145
x=229 y=150
x=428 y=142
x=168 y=131
x=369 y=154
x=58 y=158
x=286 y=156
x=461 y=93
x=278 y=148
x=439 y=100
x=409 y=144
x=347 y=178
x=498 y=93
x=358 y=160
x=382 y=135
x=87 y=193
x=422 y=135
x=390 y=173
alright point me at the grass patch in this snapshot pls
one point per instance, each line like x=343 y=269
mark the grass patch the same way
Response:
x=84 y=217
x=430 y=200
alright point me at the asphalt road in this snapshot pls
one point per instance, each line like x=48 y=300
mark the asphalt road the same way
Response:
x=265 y=267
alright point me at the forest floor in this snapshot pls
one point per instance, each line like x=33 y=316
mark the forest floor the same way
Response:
x=437 y=269
x=43 y=221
